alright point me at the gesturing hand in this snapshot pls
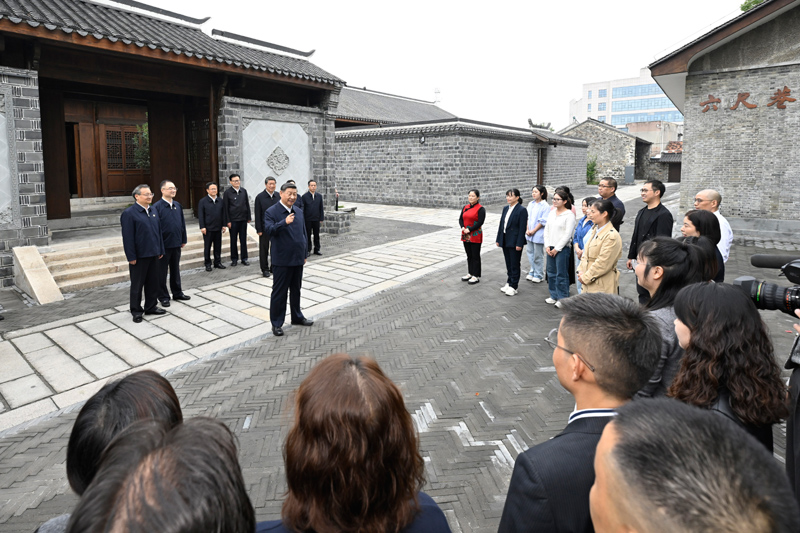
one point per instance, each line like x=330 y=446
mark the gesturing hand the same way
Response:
x=290 y=218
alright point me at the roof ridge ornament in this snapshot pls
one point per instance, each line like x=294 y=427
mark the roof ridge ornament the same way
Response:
x=264 y=44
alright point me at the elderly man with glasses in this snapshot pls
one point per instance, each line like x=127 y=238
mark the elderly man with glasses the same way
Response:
x=605 y=350
x=143 y=245
x=709 y=200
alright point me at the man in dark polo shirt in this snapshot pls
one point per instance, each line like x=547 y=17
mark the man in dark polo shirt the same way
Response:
x=143 y=245
x=608 y=191
x=173 y=232
x=653 y=220
x=236 y=216
x=314 y=213
x=265 y=199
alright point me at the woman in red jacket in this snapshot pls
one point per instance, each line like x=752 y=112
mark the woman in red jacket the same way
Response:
x=471 y=222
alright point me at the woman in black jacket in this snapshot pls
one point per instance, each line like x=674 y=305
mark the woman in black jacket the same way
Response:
x=511 y=238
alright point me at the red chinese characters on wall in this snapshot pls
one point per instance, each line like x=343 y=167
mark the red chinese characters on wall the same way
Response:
x=779 y=100
x=711 y=103
x=742 y=99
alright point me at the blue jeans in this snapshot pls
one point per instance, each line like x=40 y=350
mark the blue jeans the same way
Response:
x=536 y=259
x=558 y=275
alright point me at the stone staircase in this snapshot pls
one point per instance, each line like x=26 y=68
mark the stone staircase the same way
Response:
x=93 y=263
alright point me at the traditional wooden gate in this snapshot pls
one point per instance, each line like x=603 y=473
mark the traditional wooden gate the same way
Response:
x=118 y=169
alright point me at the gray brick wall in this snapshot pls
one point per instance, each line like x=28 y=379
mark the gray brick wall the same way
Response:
x=614 y=150
x=24 y=221
x=655 y=170
x=392 y=166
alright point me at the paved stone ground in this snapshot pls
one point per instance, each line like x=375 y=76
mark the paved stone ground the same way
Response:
x=469 y=360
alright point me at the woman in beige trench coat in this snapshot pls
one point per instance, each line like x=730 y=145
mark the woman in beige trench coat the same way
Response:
x=598 y=269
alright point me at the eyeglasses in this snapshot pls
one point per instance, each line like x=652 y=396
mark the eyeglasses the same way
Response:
x=646 y=190
x=554 y=343
x=699 y=200
x=170 y=188
x=145 y=194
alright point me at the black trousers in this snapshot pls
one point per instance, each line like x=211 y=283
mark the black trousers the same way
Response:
x=144 y=275
x=313 y=226
x=171 y=261
x=215 y=238
x=263 y=251
x=513 y=259
x=238 y=230
x=473 y=250
x=285 y=279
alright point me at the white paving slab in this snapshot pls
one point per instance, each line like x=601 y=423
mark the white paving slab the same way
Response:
x=12 y=364
x=129 y=348
x=104 y=364
x=75 y=341
x=31 y=343
x=61 y=371
x=24 y=390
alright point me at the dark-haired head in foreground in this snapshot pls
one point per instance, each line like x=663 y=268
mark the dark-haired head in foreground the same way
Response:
x=352 y=457
x=662 y=466
x=144 y=395
x=179 y=480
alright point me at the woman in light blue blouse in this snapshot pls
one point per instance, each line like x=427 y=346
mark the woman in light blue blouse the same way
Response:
x=582 y=231
x=538 y=209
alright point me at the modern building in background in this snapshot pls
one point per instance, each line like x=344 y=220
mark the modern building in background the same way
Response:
x=624 y=101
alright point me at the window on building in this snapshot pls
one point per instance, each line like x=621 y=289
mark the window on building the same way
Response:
x=636 y=90
x=589 y=108
x=601 y=118
x=602 y=93
x=590 y=95
x=666 y=116
x=641 y=104
x=601 y=106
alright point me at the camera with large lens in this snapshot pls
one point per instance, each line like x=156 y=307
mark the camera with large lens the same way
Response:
x=770 y=296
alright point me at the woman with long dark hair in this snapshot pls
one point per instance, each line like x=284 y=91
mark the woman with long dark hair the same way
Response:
x=598 y=269
x=352 y=456
x=471 y=221
x=538 y=209
x=728 y=363
x=663 y=268
x=511 y=238
x=700 y=223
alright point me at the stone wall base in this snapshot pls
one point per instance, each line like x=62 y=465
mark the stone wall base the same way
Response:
x=338 y=222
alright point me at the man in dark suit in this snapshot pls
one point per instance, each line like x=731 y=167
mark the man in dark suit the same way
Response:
x=210 y=216
x=265 y=199
x=653 y=220
x=608 y=191
x=141 y=239
x=602 y=369
x=284 y=223
x=314 y=213
x=236 y=216
x=173 y=232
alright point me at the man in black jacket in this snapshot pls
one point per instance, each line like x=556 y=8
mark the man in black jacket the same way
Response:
x=602 y=369
x=314 y=213
x=653 y=220
x=265 y=199
x=607 y=189
x=210 y=216
x=236 y=216
x=173 y=231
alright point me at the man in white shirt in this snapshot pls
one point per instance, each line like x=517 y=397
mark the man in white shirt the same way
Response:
x=709 y=200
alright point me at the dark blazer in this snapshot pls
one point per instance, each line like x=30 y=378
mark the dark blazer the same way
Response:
x=619 y=214
x=517 y=226
x=289 y=242
x=660 y=225
x=236 y=206
x=141 y=234
x=173 y=225
x=430 y=519
x=263 y=202
x=549 y=490
x=209 y=213
x=312 y=207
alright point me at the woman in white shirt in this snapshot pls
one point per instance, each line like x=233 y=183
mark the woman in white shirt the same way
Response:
x=557 y=235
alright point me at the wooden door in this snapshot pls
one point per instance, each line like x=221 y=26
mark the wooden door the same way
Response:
x=119 y=172
x=199 y=147
x=674 y=173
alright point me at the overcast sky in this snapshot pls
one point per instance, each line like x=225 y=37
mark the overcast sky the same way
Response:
x=499 y=61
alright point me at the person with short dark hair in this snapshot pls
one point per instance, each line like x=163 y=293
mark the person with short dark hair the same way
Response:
x=471 y=222
x=210 y=216
x=662 y=466
x=607 y=189
x=728 y=364
x=314 y=211
x=143 y=395
x=558 y=233
x=284 y=224
x=653 y=220
x=663 y=268
x=598 y=268
x=511 y=239
x=352 y=456
x=265 y=199
x=700 y=223
x=604 y=351
x=173 y=231
x=236 y=216
x=144 y=246
x=538 y=209
x=155 y=477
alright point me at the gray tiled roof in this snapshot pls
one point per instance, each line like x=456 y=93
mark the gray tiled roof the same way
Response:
x=138 y=30
x=375 y=107
x=671 y=158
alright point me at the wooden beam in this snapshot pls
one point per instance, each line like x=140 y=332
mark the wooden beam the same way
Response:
x=131 y=50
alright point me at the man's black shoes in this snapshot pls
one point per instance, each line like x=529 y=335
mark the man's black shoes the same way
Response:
x=137 y=319
x=220 y=266
x=265 y=273
x=156 y=311
x=278 y=332
x=304 y=322
x=245 y=262
x=182 y=297
x=164 y=303
x=317 y=253
x=234 y=263
x=208 y=268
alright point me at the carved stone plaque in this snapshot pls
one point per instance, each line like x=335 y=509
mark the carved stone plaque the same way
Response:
x=278 y=161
